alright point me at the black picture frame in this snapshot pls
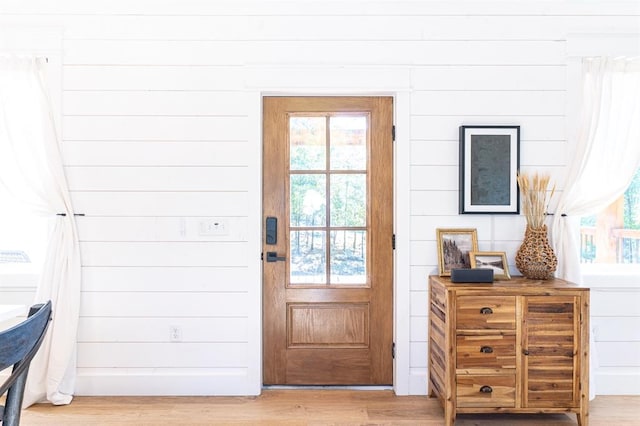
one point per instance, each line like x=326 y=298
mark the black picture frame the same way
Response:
x=489 y=164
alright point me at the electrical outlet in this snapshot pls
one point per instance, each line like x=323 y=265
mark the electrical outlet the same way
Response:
x=175 y=333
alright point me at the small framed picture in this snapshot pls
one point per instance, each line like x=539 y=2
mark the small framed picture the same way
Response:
x=489 y=163
x=496 y=260
x=454 y=246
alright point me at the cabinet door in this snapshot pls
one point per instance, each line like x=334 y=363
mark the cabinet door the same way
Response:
x=550 y=351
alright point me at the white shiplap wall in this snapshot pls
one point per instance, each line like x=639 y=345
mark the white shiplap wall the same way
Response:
x=161 y=129
x=615 y=323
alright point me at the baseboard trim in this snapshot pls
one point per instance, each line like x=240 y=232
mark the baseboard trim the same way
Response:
x=418 y=381
x=237 y=383
x=625 y=382
x=198 y=383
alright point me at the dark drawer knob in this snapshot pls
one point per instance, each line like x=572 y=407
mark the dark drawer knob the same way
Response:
x=525 y=351
x=486 y=311
x=486 y=350
x=486 y=389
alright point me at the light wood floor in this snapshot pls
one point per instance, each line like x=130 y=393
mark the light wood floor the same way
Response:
x=304 y=407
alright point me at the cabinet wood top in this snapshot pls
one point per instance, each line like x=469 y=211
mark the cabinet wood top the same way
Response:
x=514 y=283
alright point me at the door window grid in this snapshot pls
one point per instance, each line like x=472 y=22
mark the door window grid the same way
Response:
x=328 y=226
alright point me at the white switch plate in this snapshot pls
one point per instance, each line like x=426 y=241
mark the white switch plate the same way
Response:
x=212 y=227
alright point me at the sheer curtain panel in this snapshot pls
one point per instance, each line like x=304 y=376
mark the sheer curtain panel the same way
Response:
x=31 y=169
x=607 y=152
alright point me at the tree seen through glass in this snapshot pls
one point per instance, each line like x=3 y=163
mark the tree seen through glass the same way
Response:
x=625 y=238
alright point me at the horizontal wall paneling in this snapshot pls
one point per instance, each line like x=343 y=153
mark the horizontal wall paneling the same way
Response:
x=202 y=179
x=133 y=329
x=155 y=153
x=164 y=102
x=160 y=203
x=164 y=304
x=158 y=128
x=158 y=355
x=161 y=128
x=149 y=279
x=205 y=253
x=160 y=229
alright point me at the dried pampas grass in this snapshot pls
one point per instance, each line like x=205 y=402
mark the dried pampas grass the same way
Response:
x=535 y=197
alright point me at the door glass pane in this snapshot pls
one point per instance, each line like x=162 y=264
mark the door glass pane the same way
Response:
x=308 y=200
x=308 y=257
x=348 y=257
x=348 y=136
x=307 y=143
x=348 y=200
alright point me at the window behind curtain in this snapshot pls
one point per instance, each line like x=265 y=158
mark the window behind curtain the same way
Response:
x=23 y=237
x=613 y=235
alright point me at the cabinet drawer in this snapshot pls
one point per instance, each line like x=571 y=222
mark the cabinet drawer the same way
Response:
x=486 y=351
x=486 y=391
x=486 y=312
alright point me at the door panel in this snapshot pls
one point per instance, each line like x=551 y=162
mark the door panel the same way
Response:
x=327 y=177
x=328 y=324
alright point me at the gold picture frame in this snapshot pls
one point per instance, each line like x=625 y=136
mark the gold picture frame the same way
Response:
x=454 y=246
x=496 y=260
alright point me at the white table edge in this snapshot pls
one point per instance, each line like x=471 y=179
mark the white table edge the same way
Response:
x=11 y=311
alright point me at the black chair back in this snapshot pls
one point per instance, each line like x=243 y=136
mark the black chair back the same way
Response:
x=18 y=346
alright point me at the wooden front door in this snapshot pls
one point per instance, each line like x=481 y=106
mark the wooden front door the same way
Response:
x=327 y=240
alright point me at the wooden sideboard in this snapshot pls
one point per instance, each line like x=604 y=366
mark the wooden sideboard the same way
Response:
x=514 y=346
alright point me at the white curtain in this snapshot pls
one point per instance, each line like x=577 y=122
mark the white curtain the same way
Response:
x=31 y=169
x=607 y=152
x=606 y=157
